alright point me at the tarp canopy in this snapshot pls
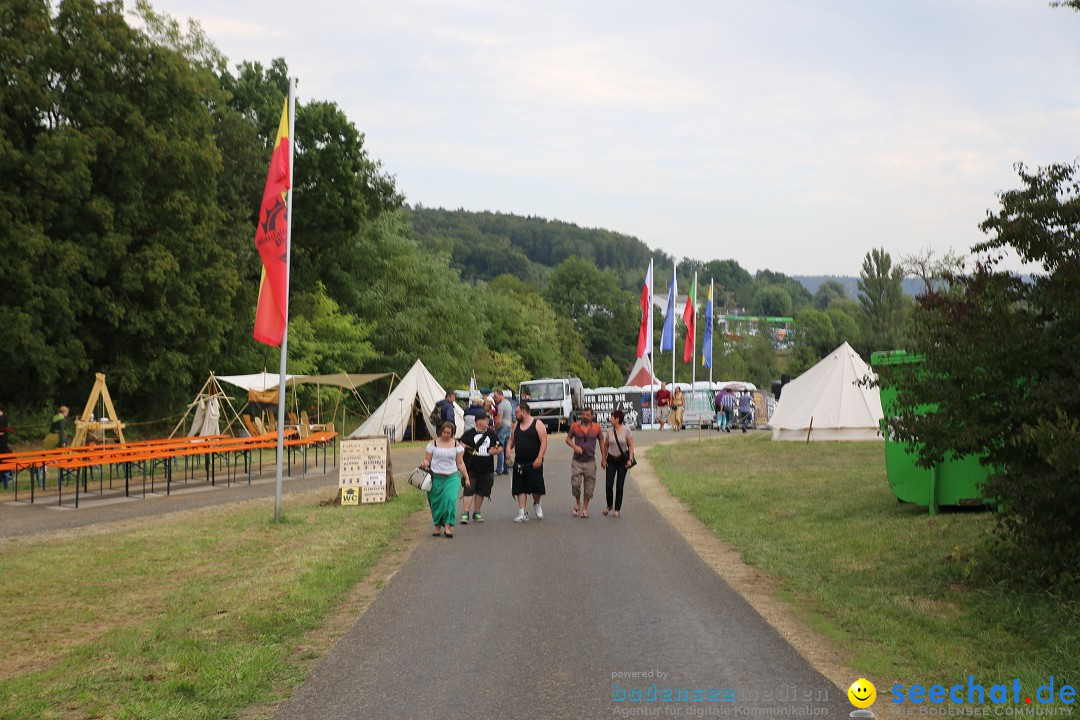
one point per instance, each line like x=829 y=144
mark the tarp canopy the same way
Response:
x=396 y=413
x=826 y=403
x=264 y=381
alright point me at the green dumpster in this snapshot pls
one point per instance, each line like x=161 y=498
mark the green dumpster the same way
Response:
x=953 y=482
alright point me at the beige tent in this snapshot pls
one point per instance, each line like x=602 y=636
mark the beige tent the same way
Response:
x=396 y=413
x=826 y=403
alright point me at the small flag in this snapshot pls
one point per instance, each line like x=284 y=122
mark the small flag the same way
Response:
x=272 y=242
x=645 y=333
x=706 y=339
x=689 y=316
x=667 y=337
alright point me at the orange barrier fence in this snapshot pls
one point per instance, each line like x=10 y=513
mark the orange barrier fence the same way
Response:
x=80 y=463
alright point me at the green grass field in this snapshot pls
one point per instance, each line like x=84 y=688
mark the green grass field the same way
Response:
x=903 y=592
x=199 y=615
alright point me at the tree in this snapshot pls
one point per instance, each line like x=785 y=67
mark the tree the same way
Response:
x=773 y=300
x=606 y=317
x=999 y=370
x=929 y=268
x=882 y=302
x=828 y=292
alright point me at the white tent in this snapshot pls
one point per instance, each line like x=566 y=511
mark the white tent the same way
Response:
x=395 y=414
x=825 y=403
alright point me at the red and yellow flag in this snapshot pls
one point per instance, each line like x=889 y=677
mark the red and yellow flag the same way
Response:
x=272 y=242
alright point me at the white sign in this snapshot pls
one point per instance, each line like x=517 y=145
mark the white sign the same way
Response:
x=363 y=467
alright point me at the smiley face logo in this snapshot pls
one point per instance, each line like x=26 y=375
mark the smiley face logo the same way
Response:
x=862 y=693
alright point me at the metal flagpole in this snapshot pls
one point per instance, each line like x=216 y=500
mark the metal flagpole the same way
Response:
x=693 y=357
x=712 y=356
x=652 y=343
x=285 y=310
x=674 y=305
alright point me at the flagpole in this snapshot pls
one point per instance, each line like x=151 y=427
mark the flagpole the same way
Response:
x=712 y=356
x=693 y=358
x=675 y=292
x=285 y=310
x=652 y=345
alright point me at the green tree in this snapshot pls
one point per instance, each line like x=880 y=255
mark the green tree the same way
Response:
x=999 y=368
x=606 y=317
x=829 y=292
x=882 y=302
x=773 y=300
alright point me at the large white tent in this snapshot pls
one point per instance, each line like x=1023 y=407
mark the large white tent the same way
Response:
x=827 y=403
x=396 y=413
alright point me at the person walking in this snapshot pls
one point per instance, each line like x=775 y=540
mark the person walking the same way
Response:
x=481 y=447
x=528 y=443
x=663 y=404
x=718 y=408
x=746 y=410
x=617 y=453
x=583 y=437
x=728 y=403
x=446 y=409
x=474 y=411
x=678 y=402
x=444 y=457
x=504 y=416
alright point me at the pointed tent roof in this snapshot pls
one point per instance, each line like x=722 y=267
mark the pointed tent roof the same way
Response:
x=826 y=403
x=394 y=415
x=640 y=374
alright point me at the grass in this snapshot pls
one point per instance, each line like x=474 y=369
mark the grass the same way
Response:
x=903 y=592
x=193 y=616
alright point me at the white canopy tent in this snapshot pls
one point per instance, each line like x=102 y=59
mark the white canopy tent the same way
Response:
x=266 y=381
x=396 y=413
x=826 y=403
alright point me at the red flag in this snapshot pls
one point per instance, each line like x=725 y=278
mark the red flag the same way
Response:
x=645 y=333
x=272 y=242
x=689 y=316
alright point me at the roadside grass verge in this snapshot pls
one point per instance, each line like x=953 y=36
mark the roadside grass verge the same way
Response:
x=904 y=593
x=196 y=615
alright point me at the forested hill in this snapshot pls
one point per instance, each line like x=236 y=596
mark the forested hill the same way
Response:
x=483 y=245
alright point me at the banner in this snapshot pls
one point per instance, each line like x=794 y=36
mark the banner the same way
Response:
x=272 y=242
x=604 y=403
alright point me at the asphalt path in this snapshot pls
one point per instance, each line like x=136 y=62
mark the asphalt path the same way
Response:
x=562 y=618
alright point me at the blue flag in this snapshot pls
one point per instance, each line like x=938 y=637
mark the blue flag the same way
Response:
x=706 y=340
x=667 y=339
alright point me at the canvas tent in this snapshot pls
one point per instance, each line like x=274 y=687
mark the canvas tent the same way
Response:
x=207 y=407
x=417 y=388
x=826 y=403
x=641 y=374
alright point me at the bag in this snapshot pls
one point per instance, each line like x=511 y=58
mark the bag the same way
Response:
x=623 y=457
x=420 y=478
x=436 y=418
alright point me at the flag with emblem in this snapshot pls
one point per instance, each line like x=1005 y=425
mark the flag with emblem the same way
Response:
x=272 y=242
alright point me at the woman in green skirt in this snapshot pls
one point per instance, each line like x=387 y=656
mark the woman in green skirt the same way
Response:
x=446 y=459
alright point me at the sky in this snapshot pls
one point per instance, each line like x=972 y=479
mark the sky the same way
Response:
x=788 y=135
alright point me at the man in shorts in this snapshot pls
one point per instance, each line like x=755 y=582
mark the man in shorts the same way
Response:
x=582 y=438
x=528 y=443
x=663 y=404
x=481 y=448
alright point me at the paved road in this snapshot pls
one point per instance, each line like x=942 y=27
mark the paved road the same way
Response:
x=545 y=619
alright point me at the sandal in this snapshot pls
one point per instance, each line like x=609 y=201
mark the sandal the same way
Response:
x=437 y=533
x=448 y=534
x=576 y=510
x=616 y=514
x=584 y=513
x=607 y=510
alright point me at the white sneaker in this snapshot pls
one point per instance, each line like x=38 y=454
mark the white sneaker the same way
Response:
x=522 y=516
x=538 y=511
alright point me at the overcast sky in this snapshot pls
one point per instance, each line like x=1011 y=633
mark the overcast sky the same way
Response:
x=786 y=135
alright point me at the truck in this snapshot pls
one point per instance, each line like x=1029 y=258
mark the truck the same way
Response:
x=554 y=401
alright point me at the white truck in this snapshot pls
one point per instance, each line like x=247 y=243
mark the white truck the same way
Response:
x=554 y=401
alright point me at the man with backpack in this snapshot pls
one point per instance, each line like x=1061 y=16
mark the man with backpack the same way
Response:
x=444 y=411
